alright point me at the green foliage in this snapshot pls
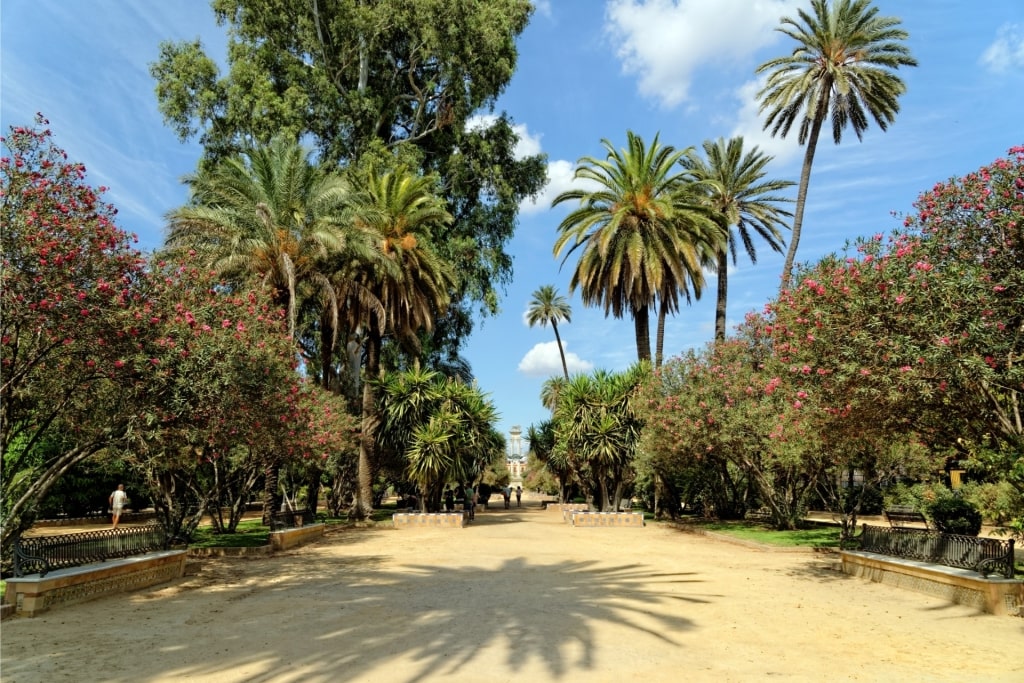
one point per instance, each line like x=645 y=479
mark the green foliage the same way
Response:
x=816 y=537
x=594 y=433
x=436 y=431
x=69 y=283
x=405 y=79
x=742 y=201
x=999 y=502
x=884 y=364
x=643 y=232
x=955 y=516
x=843 y=67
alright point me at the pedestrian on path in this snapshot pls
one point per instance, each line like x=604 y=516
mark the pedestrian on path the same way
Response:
x=117 y=502
x=519 y=496
x=506 y=493
x=470 y=503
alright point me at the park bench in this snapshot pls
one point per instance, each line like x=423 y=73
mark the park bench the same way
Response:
x=49 y=571
x=899 y=515
x=290 y=519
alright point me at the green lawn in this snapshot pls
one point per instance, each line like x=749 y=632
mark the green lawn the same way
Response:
x=251 y=532
x=815 y=537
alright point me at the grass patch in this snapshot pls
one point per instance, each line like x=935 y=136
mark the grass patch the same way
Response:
x=250 y=533
x=815 y=537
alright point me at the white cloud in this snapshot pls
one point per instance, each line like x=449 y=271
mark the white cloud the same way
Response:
x=543 y=7
x=664 y=42
x=1007 y=52
x=750 y=124
x=543 y=361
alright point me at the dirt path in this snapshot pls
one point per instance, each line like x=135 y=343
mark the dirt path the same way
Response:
x=519 y=596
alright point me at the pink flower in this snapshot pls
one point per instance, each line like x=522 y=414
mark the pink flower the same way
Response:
x=118 y=363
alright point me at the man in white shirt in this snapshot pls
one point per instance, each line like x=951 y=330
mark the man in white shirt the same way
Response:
x=117 y=500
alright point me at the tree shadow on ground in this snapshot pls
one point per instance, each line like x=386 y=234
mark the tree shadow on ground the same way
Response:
x=346 y=618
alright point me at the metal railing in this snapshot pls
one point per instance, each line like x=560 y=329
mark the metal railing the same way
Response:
x=977 y=553
x=40 y=554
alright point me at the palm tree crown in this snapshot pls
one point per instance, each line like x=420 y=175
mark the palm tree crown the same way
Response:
x=739 y=197
x=269 y=212
x=842 y=67
x=640 y=234
x=548 y=306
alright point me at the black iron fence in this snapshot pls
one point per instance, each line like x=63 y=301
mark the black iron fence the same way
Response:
x=287 y=519
x=980 y=554
x=40 y=554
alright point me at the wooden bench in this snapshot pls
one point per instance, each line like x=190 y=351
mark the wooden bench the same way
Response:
x=899 y=515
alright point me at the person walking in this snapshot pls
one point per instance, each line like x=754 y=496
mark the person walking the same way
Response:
x=449 y=499
x=506 y=493
x=117 y=502
x=519 y=496
x=470 y=503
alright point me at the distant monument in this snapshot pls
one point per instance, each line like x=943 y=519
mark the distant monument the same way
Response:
x=516 y=461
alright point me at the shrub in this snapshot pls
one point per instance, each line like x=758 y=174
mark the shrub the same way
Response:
x=998 y=502
x=955 y=516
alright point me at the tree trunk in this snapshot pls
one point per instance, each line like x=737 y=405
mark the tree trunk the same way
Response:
x=367 y=439
x=641 y=322
x=723 y=291
x=801 y=195
x=660 y=339
x=561 y=351
x=271 y=497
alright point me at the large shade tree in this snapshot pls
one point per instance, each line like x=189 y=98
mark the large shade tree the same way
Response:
x=641 y=234
x=842 y=68
x=548 y=306
x=351 y=77
x=743 y=202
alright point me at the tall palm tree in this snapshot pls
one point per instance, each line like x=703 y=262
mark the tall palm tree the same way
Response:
x=269 y=212
x=548 y=306
x=740 y=198
x=842 y=67
x=638 y=235
x=410 y=282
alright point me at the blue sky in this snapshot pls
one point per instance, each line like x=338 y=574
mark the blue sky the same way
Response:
x=588 y=69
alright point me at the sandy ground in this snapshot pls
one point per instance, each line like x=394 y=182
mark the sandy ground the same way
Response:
x=517 y=596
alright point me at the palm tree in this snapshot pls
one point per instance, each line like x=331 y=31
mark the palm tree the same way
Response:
x=639 y=235
x=740 y=198
x=842 y=67
x=269 y=212
x=410 y=284
x=548 y=306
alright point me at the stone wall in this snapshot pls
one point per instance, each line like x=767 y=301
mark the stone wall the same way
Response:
x=429 y=520
x=33 y=594
x=960 y=586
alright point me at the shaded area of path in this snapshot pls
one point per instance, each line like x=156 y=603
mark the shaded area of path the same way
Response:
x=518 y=595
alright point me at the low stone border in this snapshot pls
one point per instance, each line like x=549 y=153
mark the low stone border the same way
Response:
x=608 y=519
x=429 y=520
x=33 y=594
x=961 y=586
x=293 y=537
